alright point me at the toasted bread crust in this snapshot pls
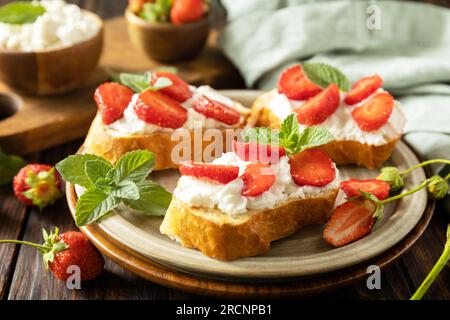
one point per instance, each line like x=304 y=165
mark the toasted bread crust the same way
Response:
x=101 y=142
x=223 y=237
x=340 y=151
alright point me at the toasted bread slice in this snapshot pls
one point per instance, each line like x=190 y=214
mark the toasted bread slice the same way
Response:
x=226 y=237
x=340 y=151
x=101 y=141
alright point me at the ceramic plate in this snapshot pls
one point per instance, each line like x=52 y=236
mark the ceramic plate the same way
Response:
x=302 y=254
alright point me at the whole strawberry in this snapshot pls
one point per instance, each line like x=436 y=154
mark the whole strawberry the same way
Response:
x=37 y=184
x=65 y=250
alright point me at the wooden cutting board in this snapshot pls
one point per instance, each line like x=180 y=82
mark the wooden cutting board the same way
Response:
x=30 y=124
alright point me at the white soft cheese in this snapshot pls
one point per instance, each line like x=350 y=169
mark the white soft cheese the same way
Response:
x=130 y=123
x=228 y=197
x=341 y=123
x=61 y=25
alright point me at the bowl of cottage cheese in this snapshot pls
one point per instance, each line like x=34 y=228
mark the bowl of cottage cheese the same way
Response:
x=48 y=47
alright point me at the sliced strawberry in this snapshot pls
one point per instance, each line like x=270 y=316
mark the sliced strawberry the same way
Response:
x=312 y=167
x=258 y=178
x=295 y=84
x=216 y=110
x=112 y=99
x=349 y=222
x=375 y=113
x=214 y=172
x=317 y=109
x=254 y=152
x=362 y=89
x=179 y=90
x=184 y=11
x=378 y=188
x=156 y=108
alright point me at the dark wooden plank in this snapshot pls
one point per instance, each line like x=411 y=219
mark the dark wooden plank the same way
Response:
x=12 y=216
x=31 y=281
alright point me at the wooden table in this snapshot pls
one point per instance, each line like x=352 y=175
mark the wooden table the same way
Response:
x=22 y=275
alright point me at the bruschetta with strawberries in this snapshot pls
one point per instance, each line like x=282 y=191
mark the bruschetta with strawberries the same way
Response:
x=155 y=112
x=365 y=119
x=267 y=188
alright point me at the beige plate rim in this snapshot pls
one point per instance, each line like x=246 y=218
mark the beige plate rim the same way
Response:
x=161 y=249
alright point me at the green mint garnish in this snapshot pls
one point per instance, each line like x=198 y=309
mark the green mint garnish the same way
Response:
x=108 y=186
x=20 y=12
x=158 y=11
x=9 y=167
x=289 y=136
x=139 y=82
x=323 y=75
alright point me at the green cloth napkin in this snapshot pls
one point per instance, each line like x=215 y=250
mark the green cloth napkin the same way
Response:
x=410 y=50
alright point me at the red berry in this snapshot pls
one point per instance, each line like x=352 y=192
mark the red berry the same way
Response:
x=312 y=167
x=295 y=84
x=317 y=109
x=80 y=253
x=254 y=152
x=184 y=11
x=216 y=110
x=362 y=89
x=179 y=90
x=349 y=222
x=378 y=188
x=375 y=113
x=156 y=108
x=258 y=178
x=37 y=184
x=112 y=99
x=215 y=172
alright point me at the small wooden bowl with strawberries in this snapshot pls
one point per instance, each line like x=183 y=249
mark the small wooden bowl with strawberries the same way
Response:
x=168 y=31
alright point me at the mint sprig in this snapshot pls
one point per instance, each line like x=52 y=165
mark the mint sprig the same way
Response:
x=9 y=167
x=157 y=11
x=108 y=186
x=289 y=136
x=323 y=75
x=140 y=82
x=20 y=12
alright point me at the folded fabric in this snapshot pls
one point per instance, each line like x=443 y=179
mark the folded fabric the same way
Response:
x=406 y=43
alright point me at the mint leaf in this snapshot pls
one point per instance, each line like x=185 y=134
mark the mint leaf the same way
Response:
x=92 y=205
x=153 y=199
x=323 y=75
x=9 y=167
x=289 y=134
x=72 y=169
x=261 y=135
x=134 y=165
x=140 y=82
x=158 y=11
x=96 y=170
x=21 y=12
x=312 y=137
x=125 y=189
x=136 y=82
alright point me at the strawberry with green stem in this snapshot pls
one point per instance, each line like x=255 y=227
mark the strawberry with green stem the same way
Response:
x=345 y=226
x=68 y=249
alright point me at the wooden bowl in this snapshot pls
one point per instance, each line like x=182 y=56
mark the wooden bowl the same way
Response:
x=167 y=42
x=51 y=71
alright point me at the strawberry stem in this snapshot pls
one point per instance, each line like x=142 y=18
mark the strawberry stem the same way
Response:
x=425 y=163
x=440 y=264
x=31 y=244
x=409 y=192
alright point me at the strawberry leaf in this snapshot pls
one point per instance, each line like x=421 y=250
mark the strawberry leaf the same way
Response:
x=323 y=75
